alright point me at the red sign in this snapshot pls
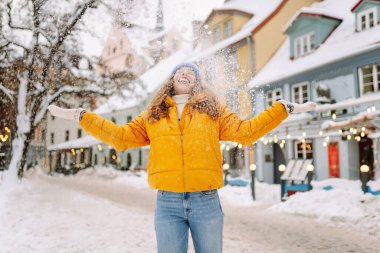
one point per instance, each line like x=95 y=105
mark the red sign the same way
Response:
x=333 y=159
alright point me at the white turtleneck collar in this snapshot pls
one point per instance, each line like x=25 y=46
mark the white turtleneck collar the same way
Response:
x=181 y=100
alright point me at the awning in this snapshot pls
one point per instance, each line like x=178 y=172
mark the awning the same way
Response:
x=362 y=118
x=84 y=142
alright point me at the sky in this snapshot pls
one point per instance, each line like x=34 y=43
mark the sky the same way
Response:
x=182 y=12
x=178 y=13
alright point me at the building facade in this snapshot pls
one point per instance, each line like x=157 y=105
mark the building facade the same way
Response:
x=330 y=56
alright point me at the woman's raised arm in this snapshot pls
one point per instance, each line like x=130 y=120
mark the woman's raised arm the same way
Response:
x=130 y=135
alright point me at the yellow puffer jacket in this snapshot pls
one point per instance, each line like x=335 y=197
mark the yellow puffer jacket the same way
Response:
x=184 y=155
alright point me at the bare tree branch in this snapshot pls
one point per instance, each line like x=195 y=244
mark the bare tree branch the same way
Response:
x=9 y=93
x=62 y=36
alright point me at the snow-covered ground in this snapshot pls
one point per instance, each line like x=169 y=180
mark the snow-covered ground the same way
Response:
x=90 y=212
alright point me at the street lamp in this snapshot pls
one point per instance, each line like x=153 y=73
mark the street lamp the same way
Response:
x=226 y=166
x=252 y=168
x=364 y=169
x=310 y=173
x=282 y=168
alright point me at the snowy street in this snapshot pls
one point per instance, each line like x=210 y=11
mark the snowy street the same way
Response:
x=113 y=214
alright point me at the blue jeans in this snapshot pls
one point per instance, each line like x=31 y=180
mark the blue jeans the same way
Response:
x=200 y=212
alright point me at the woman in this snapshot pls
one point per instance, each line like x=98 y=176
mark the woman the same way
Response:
x=183 y=126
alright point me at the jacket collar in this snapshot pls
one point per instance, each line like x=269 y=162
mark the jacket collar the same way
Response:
x=203 y=96
x=170 y=101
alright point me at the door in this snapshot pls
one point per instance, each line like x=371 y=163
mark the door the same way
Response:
x=366 y=155
x=279 y=158
x=333 y=152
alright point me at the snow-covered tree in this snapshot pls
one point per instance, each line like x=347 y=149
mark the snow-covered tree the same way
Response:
x=42 y=61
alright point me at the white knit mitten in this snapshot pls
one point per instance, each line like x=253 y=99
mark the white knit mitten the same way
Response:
x=297 y=108
x=71 y=114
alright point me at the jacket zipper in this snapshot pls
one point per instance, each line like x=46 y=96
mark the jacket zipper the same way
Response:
x=183 y=159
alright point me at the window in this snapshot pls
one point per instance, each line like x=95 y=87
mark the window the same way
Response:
x=300 y=93
x=79 y=133
x=304 y=149
x=129 y=118
x=369 y=78
x=174 y=44
x=231 y=65
x=304 y=45
x=366 y=19
x=217 y=35
x=274 y=95
x=129 y=60
x=52 y=138
x=113 y=119
x=228 y=29
x=114 y=50
x=67 y=135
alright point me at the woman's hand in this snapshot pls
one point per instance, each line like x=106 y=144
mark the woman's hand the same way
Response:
x=297 y=108
x=70 y=114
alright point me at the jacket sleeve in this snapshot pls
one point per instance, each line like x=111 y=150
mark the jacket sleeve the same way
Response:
x=130 y=135
x=232 y=128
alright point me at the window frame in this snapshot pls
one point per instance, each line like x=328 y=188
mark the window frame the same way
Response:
x=300 y=41
x=375 y=78
x=274 y=97
x=231 y=65
x=217 y=34
x=227 y=29
x=304 y=151
x=300 y=85
x=366 y=14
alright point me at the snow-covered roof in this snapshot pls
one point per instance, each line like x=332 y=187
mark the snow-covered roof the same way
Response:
x=297 y=118
x=84 y=142
x=309 y=10
x=343 y=43
x=240 y=5
x=365 y=99
x=117 y=102
x=260 y=9
x=358 y=119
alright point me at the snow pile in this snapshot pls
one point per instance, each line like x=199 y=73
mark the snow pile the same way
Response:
x=345 y=204
x=242 y=196
x=40 y=216
x=137 y=179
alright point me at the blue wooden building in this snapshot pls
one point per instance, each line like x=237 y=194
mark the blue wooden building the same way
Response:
x=331 y=56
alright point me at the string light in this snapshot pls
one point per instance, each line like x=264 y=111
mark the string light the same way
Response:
x=348 y=137
x=334 y=116
x=320 y=132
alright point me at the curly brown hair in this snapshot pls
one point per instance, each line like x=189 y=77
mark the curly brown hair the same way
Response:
x=201 y=99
